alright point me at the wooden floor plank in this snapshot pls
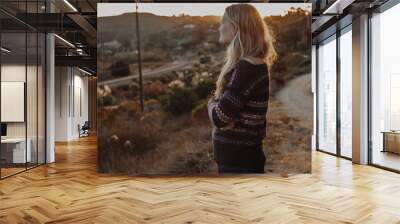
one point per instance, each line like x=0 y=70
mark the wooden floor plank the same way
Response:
x=71 y=191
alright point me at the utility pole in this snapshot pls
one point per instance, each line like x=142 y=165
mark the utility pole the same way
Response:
x=140 y=59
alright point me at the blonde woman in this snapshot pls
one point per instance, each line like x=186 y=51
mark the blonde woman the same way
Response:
x=239 y=106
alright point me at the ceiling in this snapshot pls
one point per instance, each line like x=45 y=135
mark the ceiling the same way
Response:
x=76 y=22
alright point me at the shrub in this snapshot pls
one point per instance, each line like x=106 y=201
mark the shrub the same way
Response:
x=204 y=89
x=178 y=101
x=200 y=110
x=153 y=90
x=204 y=59
x=108 y=100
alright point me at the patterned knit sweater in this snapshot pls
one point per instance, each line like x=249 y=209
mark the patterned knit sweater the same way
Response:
x=239 y=116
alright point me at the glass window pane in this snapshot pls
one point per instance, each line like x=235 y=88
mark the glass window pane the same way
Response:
x=385 y=93
x=346 y=94
x=13 y=86
x=327 y=96
x=32 y=89
x=31 y=97
x=23 y=90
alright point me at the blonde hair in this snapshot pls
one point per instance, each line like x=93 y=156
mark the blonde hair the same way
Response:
x=253 y=38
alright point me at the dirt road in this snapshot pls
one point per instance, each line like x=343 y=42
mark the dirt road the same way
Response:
x=297 y=98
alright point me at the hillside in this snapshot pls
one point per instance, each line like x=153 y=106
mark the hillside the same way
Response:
x=115 y=27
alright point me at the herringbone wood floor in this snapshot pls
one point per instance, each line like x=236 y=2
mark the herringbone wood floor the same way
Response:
x=70 y=191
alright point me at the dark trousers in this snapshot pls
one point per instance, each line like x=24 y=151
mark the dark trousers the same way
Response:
x=237 y=169
x=235 y=159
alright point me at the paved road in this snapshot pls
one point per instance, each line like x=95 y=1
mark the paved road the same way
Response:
x=149 y=74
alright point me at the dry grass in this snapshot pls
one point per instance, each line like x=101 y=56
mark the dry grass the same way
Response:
x=157 y=143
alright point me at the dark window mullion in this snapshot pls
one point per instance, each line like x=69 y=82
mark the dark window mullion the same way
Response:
x=369 y=90
x=45 y=91
x=317 y=95
x=26 y=86
x=338 y=77
x=0 y=91
x=37 y=90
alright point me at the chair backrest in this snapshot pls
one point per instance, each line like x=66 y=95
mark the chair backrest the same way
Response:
x=86 y=125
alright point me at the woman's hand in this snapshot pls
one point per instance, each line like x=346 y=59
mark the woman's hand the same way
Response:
x=212 y=101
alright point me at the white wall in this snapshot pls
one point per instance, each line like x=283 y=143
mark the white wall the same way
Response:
x=14 y=73
x=61 y=103
x=70 y=83
x=80 y=112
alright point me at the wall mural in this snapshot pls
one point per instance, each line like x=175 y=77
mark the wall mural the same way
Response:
x=225 y=88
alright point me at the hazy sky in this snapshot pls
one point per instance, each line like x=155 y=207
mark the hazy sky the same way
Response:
x=192 y=9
